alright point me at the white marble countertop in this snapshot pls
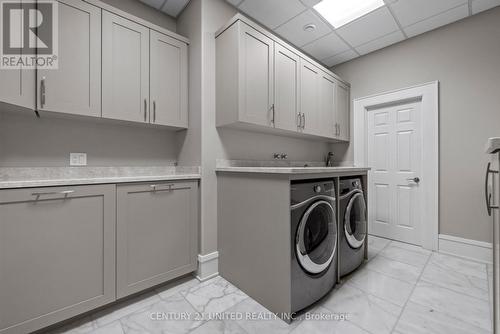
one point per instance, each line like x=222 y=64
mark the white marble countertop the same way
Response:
x=11 y=178
x=493 y=145
x=291 y=170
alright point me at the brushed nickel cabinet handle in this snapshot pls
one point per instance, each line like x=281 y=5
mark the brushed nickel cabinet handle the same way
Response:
x=273 y=114
x=42 y=92
x=299 y=121
x=154 y=111
x=303 y=121
x=145 y=109
x=64 y=192
x=169 y=187
x=487 y=195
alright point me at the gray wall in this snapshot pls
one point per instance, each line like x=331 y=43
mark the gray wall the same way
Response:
x=465 y=58
x=145 y=12
x=28 y=141
x=189 y=25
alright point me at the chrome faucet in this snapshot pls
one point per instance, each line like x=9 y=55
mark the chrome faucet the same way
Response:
x=329 y=159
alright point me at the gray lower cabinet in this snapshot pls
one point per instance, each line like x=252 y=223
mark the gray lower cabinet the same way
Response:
x=57 y=254
x=157 y=233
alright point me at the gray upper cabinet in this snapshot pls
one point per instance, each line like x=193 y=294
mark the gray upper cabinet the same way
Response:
x=327 y=106
x=256 y=74
x=310 y=98
x=245 y=71
x=57 y=254
x=144 y=74
x=342 y=111
x=108 y=66
x=157 y=234
x=75 y=87
x=168 y=71
x=264 y=84
x=286 y=88
x=125 y=69
x=17 y=87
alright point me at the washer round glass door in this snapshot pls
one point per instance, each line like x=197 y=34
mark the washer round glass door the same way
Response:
x=316 y=238
x=355 y=220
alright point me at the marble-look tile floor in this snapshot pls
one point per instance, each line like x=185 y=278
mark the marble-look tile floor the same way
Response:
x=401 y=289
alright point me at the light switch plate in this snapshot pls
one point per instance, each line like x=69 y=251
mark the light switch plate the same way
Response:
x=78 y=159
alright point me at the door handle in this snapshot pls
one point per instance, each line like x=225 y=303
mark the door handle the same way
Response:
x=145 y=109
x=414 y=179
x=299 y=121
x=303 y=121
x=42 y=93
x=487 y=195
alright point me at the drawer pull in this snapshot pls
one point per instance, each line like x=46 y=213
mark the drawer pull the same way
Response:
x=169 y=187
x=64 y=192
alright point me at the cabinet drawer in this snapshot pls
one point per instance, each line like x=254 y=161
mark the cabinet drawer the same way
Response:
x=56 y=254
x=157 y=233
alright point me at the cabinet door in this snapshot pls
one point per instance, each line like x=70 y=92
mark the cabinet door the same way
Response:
x=309 y=97
x=157 y=233
x=286 y=88
x=327 y=119
x=256 y=77
x=17 y=87
x=168 y=81
x=57 y=254
x=125 y=69
x=342 y=111
x=75 y=87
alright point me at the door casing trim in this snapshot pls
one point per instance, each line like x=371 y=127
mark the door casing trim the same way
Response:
x=429 y=95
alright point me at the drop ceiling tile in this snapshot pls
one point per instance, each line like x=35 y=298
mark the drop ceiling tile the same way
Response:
x=235 y=2
x=272 y=13
x=381 y=42
x=482 y=5
x=293 y=30
x=437 y=21
x=369 y=27
x=340 y=58
x=174 y=7
x=326 y=46
x=154 y=3
x=310 y=3
x=409 y=12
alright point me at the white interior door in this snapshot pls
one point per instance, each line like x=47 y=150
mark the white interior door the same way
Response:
x=394 y=149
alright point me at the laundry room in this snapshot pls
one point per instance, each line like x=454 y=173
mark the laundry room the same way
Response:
x=249 y=166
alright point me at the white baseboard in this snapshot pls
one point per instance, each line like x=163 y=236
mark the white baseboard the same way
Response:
x=471 y=249
x=208 y=266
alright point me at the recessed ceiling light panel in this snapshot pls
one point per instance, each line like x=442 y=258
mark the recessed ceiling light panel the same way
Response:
x=340 y=12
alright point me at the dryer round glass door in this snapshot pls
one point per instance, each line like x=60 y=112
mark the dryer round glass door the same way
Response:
x=355 y=220
x=316 y=238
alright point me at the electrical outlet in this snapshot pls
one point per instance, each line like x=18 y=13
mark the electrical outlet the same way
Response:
x=78 y=159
